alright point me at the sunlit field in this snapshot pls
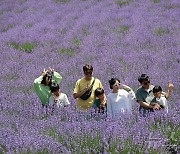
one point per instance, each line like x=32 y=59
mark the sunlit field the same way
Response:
x=119 y=38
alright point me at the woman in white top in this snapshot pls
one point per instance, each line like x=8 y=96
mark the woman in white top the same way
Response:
x=119 y=100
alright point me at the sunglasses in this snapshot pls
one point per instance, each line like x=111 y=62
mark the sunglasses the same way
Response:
x=146 y=83
x=49 y=77
x=116 y=85
x=88 y=73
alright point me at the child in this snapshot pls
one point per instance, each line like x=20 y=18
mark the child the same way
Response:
x=160 y=98
x=100 y=103
x=57 y=98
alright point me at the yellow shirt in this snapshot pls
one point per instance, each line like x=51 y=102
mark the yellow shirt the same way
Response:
x=81 y=84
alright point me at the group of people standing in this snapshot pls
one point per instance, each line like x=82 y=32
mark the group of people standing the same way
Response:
x=89 y=93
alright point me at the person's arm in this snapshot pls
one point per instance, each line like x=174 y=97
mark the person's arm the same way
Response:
x=145 y=105
x=132 y=95
x=170 y=87
x=38 y=81
x=141 y=101
x=77 y=92
x=66 y=101
x=57 y=77
x=152 y=105
x=100 y=84
x=125 y=87
x=104 y=103
x=51 y=100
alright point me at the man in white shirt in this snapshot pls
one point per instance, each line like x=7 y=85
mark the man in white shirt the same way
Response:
x=57 y=98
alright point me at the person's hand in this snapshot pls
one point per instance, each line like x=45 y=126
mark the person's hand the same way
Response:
x=87 y=87
x=44 y=72
x=52 y=70
x=156 y=106
x=126 y=88
x=170 y=86
x=153 y=103
x=103 y=103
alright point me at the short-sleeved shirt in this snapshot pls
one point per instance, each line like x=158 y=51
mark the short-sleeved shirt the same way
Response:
x=145 y=95
x=97 y=103
x=43 y=91
x=62 y=100
x=162 y=101
x=120 y=102
x=81 y=84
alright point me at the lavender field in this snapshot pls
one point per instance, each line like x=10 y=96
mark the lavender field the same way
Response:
x=120 y=38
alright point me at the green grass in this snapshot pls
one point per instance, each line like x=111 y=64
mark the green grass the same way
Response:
x=10 y=77
x=82 y=141
x=85 y=31
x=121 y=29
x=67 y=51
x=62 y=31
x=156 y=1
x=169 y=129
x=125 y=28
x=3 y=149
x=86 y=141
x=172 y=6
x=22 y=89
x=26 y=47
x=122 y=2
x=161 y=31
x=77 y=42
x=28 y=151
x=173 y=132
x=29 y=25
x=9 y=26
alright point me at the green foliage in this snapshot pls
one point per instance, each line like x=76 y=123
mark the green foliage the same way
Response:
x=122 y=2
x=172 y=6
x=156 y=1
x=14 y=127
x=173 y=132
x=62 y=31
x=124 y=28
x=85 y=31
x=29 y=25
x=67 y=51
x=77 y=42
x=161 y=31
x=27 y=47
x=9 y=26
x=28 y=151
x=86 y=141
x=121 y=29
x=3 y=149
